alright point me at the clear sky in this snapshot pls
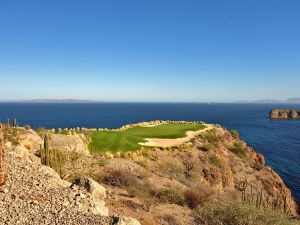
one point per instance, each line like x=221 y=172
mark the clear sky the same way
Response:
x=156 y=50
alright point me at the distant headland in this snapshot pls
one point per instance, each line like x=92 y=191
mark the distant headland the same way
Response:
x=62 y=100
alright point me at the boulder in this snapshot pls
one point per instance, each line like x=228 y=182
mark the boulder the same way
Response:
x=122 y=220
x=89 y=195
x=94 y=188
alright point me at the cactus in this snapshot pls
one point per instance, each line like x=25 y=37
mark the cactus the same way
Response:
x=46 y=150
x=2 y=159
x=15 y=124
x=8 y=123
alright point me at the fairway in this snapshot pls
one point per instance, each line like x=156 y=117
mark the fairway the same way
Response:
x=129 y=139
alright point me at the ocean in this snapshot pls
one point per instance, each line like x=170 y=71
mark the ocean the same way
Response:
x=278 y=141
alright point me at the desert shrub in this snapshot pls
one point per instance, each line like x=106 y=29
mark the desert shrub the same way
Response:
x=11 y=135
x=215 y=160
x=241 y=151
x=41 y=130
x=27 y=127
x=143 y=174
x=142 y=162
x=237 y=213
x=101 y=161
x=174 y=168
x=170 y=195
x=235 y=134
x=239 y=143
x=197 y=195
x=212 y=138
x=121 y=178
x=206 y=147
x=170 y=219
x=191 y=177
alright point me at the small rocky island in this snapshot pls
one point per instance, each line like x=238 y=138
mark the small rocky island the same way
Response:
x=284 y=114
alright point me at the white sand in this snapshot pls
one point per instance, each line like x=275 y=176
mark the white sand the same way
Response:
x=163 y=142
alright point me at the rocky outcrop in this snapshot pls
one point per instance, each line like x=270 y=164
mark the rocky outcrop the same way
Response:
x=284 y=114
x=90 y=196
x=122 y=220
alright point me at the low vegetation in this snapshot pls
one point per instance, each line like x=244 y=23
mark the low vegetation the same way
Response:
x=211 y=140
x=120 y=178
x=238 y=213
x=197 y=195
x=215 y=160
x=235 y=134
x=238 y=148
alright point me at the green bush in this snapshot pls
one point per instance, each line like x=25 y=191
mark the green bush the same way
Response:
x=241 y=151
x=215 y=160
x=206 y=147
x=235 y=134
x=171 y=195
x=27 y=127
x=41 y=130
x=237 y=213
x=212 y=138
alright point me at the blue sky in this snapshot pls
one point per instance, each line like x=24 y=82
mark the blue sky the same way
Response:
x=158 y=50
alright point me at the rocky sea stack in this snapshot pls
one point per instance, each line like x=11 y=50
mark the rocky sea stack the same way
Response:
x=284 y=114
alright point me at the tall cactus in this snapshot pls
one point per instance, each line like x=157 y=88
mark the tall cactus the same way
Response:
x=46 y=149
x=2 y=159
x=15 y=123
x=8 y=123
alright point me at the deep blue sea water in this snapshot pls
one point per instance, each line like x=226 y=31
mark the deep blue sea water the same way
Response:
x=279 y=141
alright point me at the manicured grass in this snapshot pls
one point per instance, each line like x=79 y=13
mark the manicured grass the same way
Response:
x=128 y=139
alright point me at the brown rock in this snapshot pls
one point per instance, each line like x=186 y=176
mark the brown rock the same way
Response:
x=284 y=114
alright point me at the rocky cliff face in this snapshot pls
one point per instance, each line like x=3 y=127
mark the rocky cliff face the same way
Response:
x=284 y=114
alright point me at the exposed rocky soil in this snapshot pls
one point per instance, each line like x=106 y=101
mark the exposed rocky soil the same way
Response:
x=35 y=194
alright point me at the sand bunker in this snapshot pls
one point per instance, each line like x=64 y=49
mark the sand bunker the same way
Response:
x=162 y=142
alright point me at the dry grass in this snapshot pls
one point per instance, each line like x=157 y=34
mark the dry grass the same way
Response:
x=120 y=178
x=197 y=195
x=170 y=219
x=233 y=214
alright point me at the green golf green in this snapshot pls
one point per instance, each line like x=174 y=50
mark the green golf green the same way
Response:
x=129 y=139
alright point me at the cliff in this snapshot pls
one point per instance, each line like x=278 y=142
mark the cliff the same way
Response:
x=284 y=114
x=155 y=185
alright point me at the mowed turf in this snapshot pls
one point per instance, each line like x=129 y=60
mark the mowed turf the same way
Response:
x=127 y=140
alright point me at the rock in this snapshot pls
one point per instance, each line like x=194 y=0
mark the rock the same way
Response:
x=284 y=114
x=122 y=220
x=91 y=186
x=93 y=203
x=99 y=208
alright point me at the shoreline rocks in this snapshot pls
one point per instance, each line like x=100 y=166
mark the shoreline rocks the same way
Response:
x=284 y=114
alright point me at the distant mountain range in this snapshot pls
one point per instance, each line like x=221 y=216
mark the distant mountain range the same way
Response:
x=286 y=101
x=62 y=100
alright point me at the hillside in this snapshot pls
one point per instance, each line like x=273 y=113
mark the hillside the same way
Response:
x=155 y=185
